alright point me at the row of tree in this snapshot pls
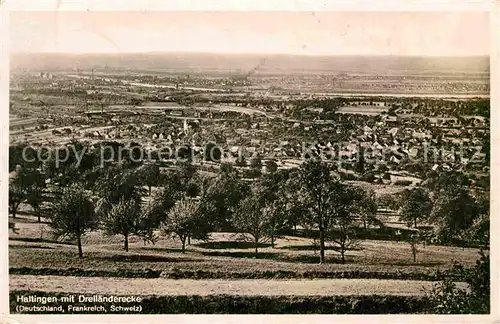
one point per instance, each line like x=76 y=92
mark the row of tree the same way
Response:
x=83 y=196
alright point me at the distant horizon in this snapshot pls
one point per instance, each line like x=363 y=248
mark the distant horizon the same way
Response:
x=249 y=53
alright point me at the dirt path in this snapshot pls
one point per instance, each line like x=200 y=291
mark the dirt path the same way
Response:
x=125 y=286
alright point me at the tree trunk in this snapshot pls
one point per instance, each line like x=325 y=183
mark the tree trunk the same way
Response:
x=415 y=223
x=272 y=241
x=183 y=244
x=189 y=240
x=149 y=190
x=364 y=224
x=321 y=246
x=79 y=241
x=342 y=252
x=256 y=246
x=13 y=210
x=126 y=242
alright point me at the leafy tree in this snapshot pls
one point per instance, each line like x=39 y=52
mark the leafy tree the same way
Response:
x=220 y=200
x=184 y=220
x=73 y=215
x=454 y=211
x=322 y=194
x=389 y=201
x=23 y=184
x=348 y=206
x=29 y=161
x=415 y=205
x=35 y=199
x=178 y=184
x=212 y=152
x=150 y=174
x=119 y=183
x=368 y=207
x=256 y=163
x=255 y=219
x=127 y=218
x=271 y=166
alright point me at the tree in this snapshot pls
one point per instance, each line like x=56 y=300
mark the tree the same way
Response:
x=415 y=205
x=184 y=220
x=128 y=218
x=414 y=239
x=73 y=215
x=389 y=201
x=117 y=184
x=150 y=174
x=220 y=200
x=255 y=219
x=455 y=210
x=35 y=199
x=348 y=207
x=271 y=166
x=256 y=163
x=322 y=194
x=212 y=152
x=368 y=207
x=23 y=184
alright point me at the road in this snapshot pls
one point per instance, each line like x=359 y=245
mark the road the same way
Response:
x=159 y=286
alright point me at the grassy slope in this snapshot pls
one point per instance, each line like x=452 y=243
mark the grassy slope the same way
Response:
x=293 y=257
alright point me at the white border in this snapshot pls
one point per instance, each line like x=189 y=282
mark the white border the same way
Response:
x=256 y=5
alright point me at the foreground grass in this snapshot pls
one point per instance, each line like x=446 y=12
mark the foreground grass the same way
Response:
x=34 y=251
x=225 y=304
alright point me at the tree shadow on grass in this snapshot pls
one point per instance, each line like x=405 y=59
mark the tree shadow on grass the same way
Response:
x=163 y=249
x=314 y=258
x=146 y=258
x=230 y=245
x=312 y=248
x=30 y=247
x=411 y=263
x=39 y=240
x=245 y=254
x=276 y=256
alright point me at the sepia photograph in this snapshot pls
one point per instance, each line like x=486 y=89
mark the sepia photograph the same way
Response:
x=249 y=162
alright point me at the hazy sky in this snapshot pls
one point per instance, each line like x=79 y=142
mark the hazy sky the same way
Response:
x=348 y=33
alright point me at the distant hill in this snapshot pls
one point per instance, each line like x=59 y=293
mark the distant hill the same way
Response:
x=244 y=63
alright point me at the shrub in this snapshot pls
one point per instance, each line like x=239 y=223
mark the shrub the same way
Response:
x=447 y=298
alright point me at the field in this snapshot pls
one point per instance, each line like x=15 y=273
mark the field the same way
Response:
x=223 y=266
x=225 y=255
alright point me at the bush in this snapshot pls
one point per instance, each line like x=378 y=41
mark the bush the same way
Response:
x=447 y=298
